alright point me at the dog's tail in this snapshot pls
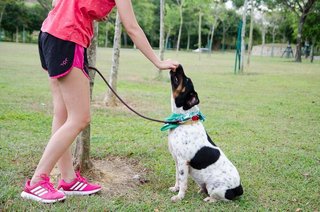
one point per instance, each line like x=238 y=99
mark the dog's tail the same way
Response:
x=233 y=193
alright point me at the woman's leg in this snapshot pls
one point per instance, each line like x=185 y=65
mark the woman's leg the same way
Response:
x=60 y=116
x=75 y=91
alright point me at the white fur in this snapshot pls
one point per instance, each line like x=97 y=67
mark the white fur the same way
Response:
x=184 y=143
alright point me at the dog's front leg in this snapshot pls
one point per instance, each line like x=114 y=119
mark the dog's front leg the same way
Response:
x=183 y=171
x=175 y=188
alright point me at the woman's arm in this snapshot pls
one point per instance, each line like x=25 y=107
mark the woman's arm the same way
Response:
x=137 y=35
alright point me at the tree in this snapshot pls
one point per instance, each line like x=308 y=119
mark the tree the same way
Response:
x=82 y=160
x=110 y=99
x=190 y=23
x=228 y=19
x=161 y=38
x=301 y=9
x=263 y=25
x=14 y=18
x=217 y=13
x=275 y=20
x=243 y=32
x=180 y=6
x=201 y=7
x=312 y=29
x=252 y=6
x=3 y=5
x=171 y=21
x=46 y=4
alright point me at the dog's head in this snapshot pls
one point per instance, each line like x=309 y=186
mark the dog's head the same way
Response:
x=183 y=91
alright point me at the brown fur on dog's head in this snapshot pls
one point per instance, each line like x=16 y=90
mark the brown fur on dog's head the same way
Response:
x=183 y=91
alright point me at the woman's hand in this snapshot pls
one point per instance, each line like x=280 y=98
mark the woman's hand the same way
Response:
x=167 y=64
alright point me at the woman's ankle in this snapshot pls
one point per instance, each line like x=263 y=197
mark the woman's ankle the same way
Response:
x=68 y=177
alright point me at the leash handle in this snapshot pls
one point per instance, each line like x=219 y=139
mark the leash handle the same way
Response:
x=123 y=102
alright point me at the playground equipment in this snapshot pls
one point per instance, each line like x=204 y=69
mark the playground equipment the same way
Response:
x=288 y=51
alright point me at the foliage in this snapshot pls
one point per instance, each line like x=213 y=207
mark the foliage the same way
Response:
x=312 y=26
x=15 y=16
x=18 y=16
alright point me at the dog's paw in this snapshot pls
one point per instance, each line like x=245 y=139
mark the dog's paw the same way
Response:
x=209 y=199
x=176 y=198
x=174 y=189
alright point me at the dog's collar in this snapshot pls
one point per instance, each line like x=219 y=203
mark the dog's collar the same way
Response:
x=188 y=118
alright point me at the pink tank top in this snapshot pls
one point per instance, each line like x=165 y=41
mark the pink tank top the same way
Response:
x=72 y=20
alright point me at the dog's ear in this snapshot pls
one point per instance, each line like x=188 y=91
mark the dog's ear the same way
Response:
x=191 y=101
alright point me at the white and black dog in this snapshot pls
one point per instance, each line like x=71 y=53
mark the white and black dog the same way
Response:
x=193 y=150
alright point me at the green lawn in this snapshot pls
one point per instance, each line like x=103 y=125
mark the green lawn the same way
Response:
x=267 y=122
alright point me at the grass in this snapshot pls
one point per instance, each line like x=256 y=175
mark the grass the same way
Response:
x=267 y=121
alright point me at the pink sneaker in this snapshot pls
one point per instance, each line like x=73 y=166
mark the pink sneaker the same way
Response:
x=43 y=191
x=79 y=186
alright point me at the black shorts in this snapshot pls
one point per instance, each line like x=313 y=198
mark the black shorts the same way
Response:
x=58 y=56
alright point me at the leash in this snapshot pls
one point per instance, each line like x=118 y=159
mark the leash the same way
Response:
x=130 y=108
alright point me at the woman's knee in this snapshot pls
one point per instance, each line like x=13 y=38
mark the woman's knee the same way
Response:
x=81 y=121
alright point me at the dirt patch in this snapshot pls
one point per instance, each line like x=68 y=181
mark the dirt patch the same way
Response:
x=118 y=176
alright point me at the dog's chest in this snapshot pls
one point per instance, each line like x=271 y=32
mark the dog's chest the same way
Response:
x=186 y=140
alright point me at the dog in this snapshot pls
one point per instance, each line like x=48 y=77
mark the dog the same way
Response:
x=193 y=150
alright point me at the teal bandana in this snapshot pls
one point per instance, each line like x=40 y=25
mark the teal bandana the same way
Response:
x=180 y=118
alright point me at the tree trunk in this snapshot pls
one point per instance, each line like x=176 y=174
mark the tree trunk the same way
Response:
x=199 y=33
x=110 y=98
x=107 y=33
x=250 y=34
x=223 y=35
x=211 y=37
x=167 y=38
x=24 y=35
x=180 y=28
x=161 y=38
x=188 y=42
x=299 y=41
x=273 y=40
x=82 y=160
x=312 y=49
x=243 y=33
x=263 y=34
x=125 y=39
x=199 y=29
x=17 y=34
x=1 y=14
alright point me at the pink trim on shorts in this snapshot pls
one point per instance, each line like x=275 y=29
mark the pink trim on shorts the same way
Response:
x=78 y=62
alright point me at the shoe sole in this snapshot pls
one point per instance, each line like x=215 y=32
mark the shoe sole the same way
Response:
x=26 y=195
x=80 y=193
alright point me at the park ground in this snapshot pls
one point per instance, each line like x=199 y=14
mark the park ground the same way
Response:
x=267 y=121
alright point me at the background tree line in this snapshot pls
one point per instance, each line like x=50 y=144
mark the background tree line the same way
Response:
x=189 y=24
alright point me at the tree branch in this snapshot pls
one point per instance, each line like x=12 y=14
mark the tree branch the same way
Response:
x=291 y=6
x=299 y=5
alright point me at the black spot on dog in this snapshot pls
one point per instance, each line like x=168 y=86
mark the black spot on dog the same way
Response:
x=181 y=172
x=204 y=158
x=210 y=141
x=233 y=193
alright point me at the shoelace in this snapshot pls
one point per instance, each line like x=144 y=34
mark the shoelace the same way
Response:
x=46 y=183
x=80 y=178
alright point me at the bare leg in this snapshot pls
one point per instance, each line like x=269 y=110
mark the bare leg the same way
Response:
x=75 y=92
x=60 y=116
